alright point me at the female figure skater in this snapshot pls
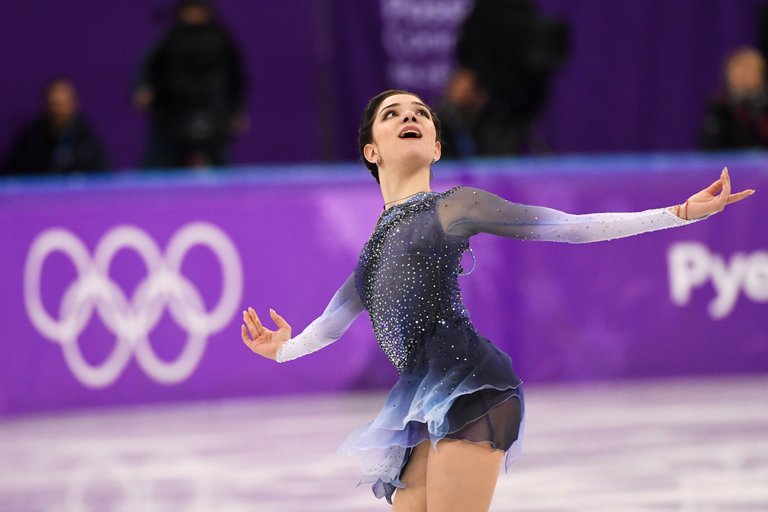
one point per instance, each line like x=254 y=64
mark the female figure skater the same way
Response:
x=456 y=409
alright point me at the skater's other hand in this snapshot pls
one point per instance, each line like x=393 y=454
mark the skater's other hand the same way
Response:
x=262 y=340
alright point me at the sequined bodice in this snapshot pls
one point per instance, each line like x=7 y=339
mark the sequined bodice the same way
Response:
x=406 y=277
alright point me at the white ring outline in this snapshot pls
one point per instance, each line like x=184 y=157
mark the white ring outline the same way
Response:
x=132 y=320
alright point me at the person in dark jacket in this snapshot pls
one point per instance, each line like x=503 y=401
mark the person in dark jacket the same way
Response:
x=737 y=116
x=192 y=84
x=59 y=140
x=506 y=55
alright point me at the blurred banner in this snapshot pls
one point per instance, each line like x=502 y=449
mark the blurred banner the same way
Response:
x=129 y=289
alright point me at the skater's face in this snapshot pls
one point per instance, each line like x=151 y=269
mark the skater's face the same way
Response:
x=404 y=133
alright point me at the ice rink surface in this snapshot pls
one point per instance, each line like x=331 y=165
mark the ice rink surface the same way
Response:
x=694 y=445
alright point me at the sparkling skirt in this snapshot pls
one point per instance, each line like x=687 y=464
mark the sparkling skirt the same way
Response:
x=461 y=387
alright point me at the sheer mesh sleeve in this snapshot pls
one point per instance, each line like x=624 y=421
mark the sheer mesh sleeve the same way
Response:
x=467 y=211
x=344 y=308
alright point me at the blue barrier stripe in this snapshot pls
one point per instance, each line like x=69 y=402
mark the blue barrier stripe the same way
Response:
x=322 y=173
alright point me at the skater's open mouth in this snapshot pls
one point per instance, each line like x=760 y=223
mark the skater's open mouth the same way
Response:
x=410 y=132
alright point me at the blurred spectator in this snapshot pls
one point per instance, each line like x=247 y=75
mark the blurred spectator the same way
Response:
x=58 y=141
x=510 y=52
x=737 y=116
x=192 y=84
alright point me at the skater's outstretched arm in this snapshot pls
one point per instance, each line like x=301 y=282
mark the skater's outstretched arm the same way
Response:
x=468 y=211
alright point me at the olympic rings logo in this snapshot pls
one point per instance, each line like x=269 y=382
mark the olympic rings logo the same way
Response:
x=132 y=320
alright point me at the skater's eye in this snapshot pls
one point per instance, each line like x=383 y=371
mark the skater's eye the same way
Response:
x=388 y=114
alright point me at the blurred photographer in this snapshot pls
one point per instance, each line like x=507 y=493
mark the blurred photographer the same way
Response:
x=192 y=84
x=507 y=53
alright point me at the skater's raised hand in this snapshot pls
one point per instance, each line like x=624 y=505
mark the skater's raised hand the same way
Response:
x=708 y=201
x=262 y=340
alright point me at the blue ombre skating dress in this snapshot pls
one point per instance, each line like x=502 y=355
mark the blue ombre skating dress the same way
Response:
x=452 y=383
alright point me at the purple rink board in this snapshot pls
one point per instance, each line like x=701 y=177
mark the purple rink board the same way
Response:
x=128 y=289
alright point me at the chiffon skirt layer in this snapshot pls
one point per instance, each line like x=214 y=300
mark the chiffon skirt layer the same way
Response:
x=463 y=387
